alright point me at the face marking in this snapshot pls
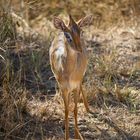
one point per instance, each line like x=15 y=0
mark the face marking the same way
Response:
x=75 y=29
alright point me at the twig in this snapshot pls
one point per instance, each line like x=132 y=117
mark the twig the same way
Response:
x=81 y=138
x=16 y=127
x=108 y=120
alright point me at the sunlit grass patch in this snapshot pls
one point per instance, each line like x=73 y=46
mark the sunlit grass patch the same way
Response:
x=7 y=26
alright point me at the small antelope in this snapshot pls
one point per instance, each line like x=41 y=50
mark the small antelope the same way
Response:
x=68 y=59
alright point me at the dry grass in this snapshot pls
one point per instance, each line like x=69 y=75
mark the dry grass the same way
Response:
x=28 y=107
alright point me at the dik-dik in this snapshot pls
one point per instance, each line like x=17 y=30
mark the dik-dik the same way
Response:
x=68 y=59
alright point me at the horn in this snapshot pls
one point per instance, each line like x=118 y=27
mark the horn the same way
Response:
x=71 y=21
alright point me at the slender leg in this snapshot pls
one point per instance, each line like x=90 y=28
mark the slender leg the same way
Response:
x=84 y=99
x=76 y=99
x=65 y=96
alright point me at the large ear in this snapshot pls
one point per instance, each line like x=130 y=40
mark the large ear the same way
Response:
x=59 y=24
x=85 y=21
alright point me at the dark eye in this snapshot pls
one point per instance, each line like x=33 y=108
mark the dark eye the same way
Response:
x=68 y=36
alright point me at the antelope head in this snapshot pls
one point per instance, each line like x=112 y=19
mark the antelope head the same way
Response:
x=72 y=31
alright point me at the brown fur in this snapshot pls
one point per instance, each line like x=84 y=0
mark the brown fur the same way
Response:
x=68 y=64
